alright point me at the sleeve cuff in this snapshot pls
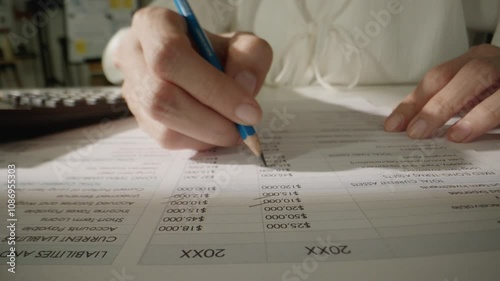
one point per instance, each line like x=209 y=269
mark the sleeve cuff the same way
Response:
x=112 y=73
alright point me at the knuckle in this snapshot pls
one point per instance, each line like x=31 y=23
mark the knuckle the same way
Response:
x=173 y=17
x=256 y=44
x=141 y=92
x=147 y=13
x=162 y=103
x=485 y=50
x=483 y=67
x=442 y=108
x=142 y=14
x=264 y=49
x=165 y=57
x=476 y=65
x=139 y=15
x=438 y=77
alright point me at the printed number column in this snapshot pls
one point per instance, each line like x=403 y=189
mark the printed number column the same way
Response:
x=207 y=219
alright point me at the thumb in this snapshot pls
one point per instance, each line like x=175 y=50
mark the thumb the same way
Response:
x=247 y=59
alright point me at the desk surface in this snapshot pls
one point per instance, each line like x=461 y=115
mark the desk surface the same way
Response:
x=342 y=199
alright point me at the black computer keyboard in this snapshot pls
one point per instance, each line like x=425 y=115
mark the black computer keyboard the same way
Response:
x=38 y=112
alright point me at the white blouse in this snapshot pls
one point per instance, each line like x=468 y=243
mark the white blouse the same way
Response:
x=346 y=42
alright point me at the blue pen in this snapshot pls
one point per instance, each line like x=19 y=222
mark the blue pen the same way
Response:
x=206 y=50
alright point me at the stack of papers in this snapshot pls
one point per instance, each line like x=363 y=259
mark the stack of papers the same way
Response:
x=341 y=199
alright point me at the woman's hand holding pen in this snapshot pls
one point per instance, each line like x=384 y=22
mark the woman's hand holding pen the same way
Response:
x=180 y=99
x=468 y=84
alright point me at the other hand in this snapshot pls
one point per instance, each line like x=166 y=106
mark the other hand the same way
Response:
x=467 y=85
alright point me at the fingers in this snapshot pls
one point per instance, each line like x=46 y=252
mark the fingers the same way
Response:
x=167 y=138
x=433 y=82
x=483 y=118
x=248 y=59
x=163 y=105
x=178 y=97
x=168 y=52
x=452 y=88
x=464 y=87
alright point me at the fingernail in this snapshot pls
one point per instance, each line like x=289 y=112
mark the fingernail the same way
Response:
x=248 y=81
x=394 y=122
x=460 y=132
x=247 y=113
x=417 y=131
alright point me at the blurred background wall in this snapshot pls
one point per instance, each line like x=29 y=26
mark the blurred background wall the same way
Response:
x=51 y=43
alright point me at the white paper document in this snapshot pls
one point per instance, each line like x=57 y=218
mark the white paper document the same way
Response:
x=340 y=200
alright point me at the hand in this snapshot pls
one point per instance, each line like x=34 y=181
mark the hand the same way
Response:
x=467 y=84
x=176 y=96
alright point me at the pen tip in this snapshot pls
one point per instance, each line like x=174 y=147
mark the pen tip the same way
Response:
x=263 y=159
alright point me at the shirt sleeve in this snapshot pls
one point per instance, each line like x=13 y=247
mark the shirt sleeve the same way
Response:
x=215 y=17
